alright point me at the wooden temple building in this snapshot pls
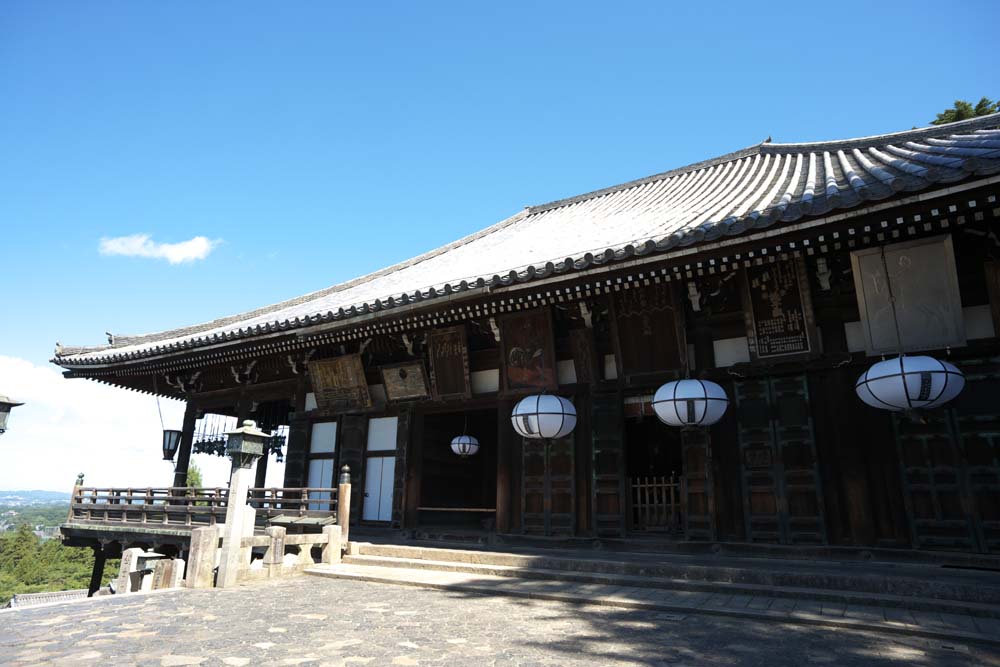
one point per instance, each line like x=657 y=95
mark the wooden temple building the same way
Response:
x=757 y=270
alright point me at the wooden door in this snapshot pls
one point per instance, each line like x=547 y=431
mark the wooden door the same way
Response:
x=950 y=461
x=547 y=487
x=608 y=488
x=782 y=492
x=698 y=489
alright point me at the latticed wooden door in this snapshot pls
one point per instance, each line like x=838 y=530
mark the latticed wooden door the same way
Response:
x=698 y=488
x=782 y=493
x=608 y=488
x=548 y=487
x=950 y=462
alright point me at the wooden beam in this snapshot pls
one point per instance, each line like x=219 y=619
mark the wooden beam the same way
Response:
x=184 y=450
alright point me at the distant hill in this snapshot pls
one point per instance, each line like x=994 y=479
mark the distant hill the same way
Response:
x=32 y=497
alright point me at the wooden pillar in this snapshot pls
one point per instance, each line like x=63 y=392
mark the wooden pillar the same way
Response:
x=184 y=450
x=299 y=434
x=97 y=574
x=260 y=479
x=414 y=471
x=505 y=437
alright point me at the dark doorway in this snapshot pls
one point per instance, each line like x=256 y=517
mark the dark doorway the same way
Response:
x=654 y=467
x=457 y=491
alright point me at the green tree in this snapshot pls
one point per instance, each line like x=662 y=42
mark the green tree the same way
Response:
x=963 y=110
x=194 y=476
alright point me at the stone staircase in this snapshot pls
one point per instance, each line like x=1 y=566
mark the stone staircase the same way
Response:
x=920 y=599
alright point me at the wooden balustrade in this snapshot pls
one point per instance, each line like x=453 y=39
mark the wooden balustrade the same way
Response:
x=301 y=502
x=192 y=507
x=656 y=502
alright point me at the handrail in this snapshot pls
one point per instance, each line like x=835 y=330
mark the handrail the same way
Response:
x=192 y=507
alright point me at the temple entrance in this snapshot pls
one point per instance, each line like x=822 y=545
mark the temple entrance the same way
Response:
x=459 y=492
x=654 y=470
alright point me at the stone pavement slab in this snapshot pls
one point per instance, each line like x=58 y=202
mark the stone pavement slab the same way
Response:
x=317 y=622
x=871 y=618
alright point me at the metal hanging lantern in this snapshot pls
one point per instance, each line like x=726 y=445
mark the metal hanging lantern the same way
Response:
x=171 y=441
x=464 y=445
x=5 y=407
x=690 y=403
x=910 y=383
x=544 y=416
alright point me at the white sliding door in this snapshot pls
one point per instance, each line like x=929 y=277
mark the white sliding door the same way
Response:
x=380 y=471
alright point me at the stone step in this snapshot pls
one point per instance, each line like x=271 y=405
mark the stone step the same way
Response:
x=877 y=578
x=644 y=581
x=950 y=629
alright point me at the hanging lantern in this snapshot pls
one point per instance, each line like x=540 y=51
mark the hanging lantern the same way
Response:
x=171 y=440
x=690 y=403
x=544 y=416
x=910 y=383
x=464 y=445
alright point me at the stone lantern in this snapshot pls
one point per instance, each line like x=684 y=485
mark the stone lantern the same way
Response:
x=246 y=444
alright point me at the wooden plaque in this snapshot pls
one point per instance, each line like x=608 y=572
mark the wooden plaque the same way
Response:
x=649 y=332
x=405 y=381
x=778 y=310
x=529 y=360
x=449 y=356
x=581 y=343
x=339 y=383
x=924 y=284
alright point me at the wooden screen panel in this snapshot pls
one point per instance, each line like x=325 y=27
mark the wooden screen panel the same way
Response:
x=698 y=487
x=951 y=468
x=782 y=491
x=932 y=483
x=562 y=487
x=533 y=487
x=548 y=487
x=800 y=483
x=649 y=331
x=448 y=352
x=608 y=488
x=760 y=484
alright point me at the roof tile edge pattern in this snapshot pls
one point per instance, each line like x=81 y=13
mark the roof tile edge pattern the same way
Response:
x=725 y=196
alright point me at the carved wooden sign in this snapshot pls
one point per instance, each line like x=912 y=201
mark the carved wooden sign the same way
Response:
x=449 y=357
x=649 y=331
x=778 y=310
x=581 y=343
x=529 y=360
x=339 y=383
x=405 y=381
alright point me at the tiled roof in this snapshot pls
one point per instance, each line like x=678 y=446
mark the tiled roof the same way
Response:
x=752 y=189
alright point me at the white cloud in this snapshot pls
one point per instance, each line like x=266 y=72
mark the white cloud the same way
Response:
x=111 y=435
x=140 y=245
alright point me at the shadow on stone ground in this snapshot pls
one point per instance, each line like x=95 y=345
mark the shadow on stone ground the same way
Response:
x=325 y=622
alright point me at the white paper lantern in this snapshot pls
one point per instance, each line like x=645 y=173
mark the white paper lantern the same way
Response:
x=544 y=416
x=464 y=445
x=909 y=383
x=690 y=403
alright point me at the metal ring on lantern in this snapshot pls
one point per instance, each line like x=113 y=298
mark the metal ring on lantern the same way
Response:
x=464 y=445
x=689 y=400
x=520 y=418
x=954 y=380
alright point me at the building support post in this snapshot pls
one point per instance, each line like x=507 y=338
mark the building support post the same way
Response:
x=184 y=450
x=97 y=574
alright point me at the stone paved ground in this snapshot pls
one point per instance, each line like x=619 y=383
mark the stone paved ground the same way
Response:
x=323 y=622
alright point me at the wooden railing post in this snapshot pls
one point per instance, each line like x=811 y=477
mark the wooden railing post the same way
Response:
x=74 y=496
x=344 y=503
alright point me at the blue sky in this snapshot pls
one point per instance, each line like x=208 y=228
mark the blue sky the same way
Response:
x=312 y=142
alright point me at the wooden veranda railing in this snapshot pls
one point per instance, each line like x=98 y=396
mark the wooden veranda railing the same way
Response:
x=656 y=502
x=302 y=502
x=179 y=506
x=183 y=507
